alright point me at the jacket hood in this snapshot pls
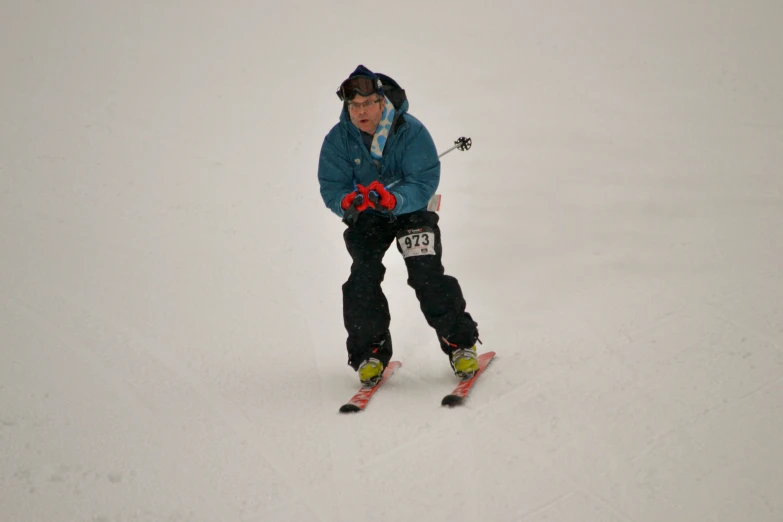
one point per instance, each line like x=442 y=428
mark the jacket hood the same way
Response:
x=392 y=90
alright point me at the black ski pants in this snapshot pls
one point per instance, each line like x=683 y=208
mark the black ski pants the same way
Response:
x=365 y=308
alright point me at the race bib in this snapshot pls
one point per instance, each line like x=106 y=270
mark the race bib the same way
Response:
x=417 y=242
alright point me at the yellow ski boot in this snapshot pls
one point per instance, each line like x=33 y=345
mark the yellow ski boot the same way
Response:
x=464 y=361
x=371 y=371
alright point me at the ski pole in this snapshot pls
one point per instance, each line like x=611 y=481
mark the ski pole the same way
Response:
x=461 y=144
x=351 y=214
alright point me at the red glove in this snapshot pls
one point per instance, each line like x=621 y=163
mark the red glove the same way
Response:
x=386 y=200
x=351 y=196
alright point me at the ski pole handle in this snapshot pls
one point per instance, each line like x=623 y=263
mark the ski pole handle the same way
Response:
x=375 y=200
x=351 y=214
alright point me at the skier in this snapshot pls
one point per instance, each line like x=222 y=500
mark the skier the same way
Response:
x=378 y=170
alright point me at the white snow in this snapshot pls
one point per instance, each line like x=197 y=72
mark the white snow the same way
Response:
x=171 y=338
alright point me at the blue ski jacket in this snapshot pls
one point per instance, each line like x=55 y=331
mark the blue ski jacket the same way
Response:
x=409 y=168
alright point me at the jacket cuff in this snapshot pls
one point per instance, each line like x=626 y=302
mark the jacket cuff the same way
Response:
x=399 y=200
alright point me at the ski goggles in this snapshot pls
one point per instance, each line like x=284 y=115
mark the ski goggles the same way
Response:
x=363 y=85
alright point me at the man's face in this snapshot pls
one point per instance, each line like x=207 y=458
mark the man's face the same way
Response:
x=366 y=112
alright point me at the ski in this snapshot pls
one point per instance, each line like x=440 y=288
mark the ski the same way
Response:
x=459 y=394
x=359 y=401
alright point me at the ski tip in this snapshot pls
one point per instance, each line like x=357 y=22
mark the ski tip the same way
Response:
x=349 y=408
x=451 y=401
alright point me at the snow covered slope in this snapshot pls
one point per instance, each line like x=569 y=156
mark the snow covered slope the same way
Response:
x=171 y=340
